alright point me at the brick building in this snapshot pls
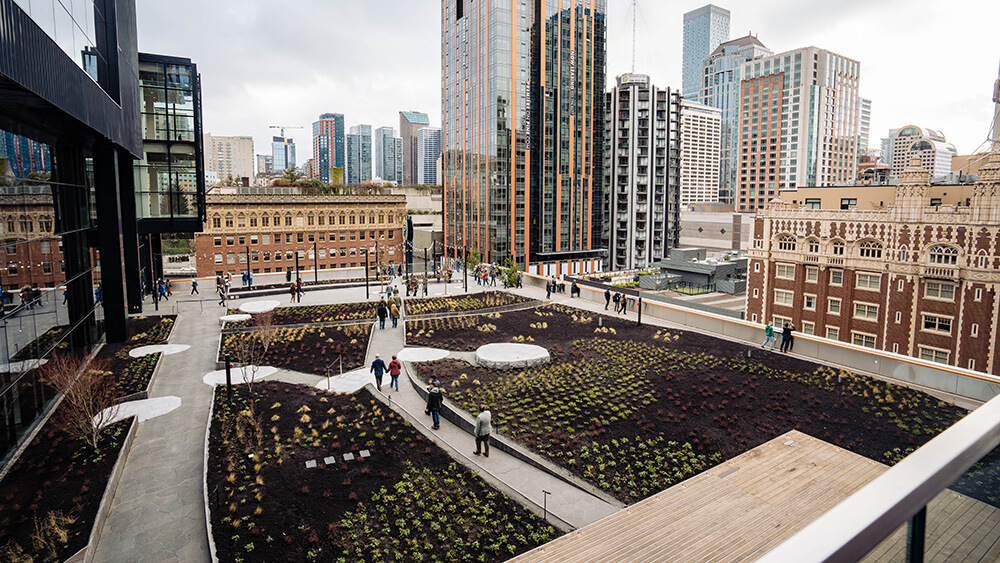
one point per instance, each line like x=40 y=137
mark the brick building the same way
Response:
x=911 y=278
x=330 y=231
x=33 y=254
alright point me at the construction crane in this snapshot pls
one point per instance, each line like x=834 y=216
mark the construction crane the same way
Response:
x=283 y=127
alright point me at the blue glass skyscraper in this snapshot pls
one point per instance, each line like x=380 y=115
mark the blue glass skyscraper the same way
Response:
x=704 y=30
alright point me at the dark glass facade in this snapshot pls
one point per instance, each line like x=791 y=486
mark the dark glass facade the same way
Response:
x=523 y=91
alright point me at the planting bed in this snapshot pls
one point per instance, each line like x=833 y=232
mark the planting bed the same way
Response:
x=313 y=314
x=406 y=501
x=57 y=473
x=312 y=349
x=472 y=302
x=636 y=409
x=257 y=287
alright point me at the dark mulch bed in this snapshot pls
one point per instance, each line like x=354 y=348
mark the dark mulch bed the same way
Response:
x=617 y=395
x=407 y=501
x=312 y=349
x=57 y=473
x=313 y=314
x=471 y=302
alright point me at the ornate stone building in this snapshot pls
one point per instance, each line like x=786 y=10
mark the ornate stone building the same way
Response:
x=911 y=278
x=329 y=231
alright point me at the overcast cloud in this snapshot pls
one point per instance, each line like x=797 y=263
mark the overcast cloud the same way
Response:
x=271 y=62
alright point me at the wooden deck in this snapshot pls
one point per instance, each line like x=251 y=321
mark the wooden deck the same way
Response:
x=743 y=508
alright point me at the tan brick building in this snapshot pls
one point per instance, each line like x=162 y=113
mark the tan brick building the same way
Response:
x=911 y=278
x=330 y=231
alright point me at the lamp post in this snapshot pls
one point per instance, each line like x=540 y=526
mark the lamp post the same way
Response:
x=296 y=280
x=465 y=267
x=315 y=263
x=248 y=263
x=366 y=273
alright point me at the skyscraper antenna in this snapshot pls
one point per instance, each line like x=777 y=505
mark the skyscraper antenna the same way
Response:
x=634 y=9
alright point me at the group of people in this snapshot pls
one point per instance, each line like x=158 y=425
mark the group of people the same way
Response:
x=295 y=289
x=388 y=306
x=551 y=286
x=485 y=274
x=621 y=301
x=413 y=286
x=222 y=284
x=248 y=279
x=787 y=340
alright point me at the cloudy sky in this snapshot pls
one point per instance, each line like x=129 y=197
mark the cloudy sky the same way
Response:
x=283 y=62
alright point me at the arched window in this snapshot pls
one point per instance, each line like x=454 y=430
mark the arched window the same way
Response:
x=343 y=218
x=253 y=219
x=45 y=224
x=786 y=242
x=381 y=218
x=321 y=220
x=813 y=246
x=241 y=221
x=371 y=219
x=288 y=219
x=870 y=249
x=942 y=254
x=265 y=220
x=10 y=224
x=216 y=221
x=904 y=254
x=353 y=219
x=229 y=220
x=361 y=219
x=838 y=248
x=299 y=220
x=310 y=220
x=982 y=260
x=277 y=220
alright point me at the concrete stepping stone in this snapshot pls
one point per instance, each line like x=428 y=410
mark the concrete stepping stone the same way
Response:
x=143 y=410
x=235 y=318
x=350 y=382
x=311 y=464
x=165 y=349
x=218 y=377
x=511 y=355
x=259 y=306
x=421 y=354
x=330 y=460
x=348 y=457
x=364 y=454
x=25 y=365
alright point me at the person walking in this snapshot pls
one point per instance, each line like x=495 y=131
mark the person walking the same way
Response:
x=168 y=285
x=298 y=290
x=394 y=369
x=394 y=314
x=791 y=336
x=381 y=311
x=786 y=338
x=618 y=301
x=607 y=298
x=223 y=295
x=250 y=280
x=378 y=368
x=519 y=284
x=482 y=431
x=768 y=336
x=194 y=287
x=293 y=290
x=244 y=279
x=548 y=290
x=434 y=399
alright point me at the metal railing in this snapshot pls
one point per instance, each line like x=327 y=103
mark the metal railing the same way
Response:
x=856 y=526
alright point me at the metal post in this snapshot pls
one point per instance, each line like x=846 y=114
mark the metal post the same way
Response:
x=248 y=265
x=296 y=280
x=315 y=263
x=639 y=322
x=545 y=505
x=366 y=274
x=229 y=380
x=465 y=266
x=915 y=536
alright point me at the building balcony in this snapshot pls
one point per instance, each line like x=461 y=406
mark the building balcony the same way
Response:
x=940 y=271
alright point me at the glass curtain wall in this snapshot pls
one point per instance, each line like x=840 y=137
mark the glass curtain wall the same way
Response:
x=50 y=288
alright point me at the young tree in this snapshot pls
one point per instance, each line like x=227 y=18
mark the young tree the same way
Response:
x=250 y=349
x=88 y=393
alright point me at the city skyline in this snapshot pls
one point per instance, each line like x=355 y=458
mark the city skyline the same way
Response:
x=369 y=87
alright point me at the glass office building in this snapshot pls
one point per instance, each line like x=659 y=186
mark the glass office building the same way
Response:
x=523 y=109
x=328 y=144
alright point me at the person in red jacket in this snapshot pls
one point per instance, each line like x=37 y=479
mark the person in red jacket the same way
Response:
x=394 y=367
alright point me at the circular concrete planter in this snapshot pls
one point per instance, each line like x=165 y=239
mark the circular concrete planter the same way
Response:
x=508 y=355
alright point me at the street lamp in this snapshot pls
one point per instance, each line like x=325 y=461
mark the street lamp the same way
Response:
x=315 y=263
x=365 y=250
x=248 y=263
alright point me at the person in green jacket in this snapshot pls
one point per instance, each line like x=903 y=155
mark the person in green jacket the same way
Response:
x=768 y=336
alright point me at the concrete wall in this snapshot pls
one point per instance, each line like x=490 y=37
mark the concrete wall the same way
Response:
x=949 y=379
x=719 y=231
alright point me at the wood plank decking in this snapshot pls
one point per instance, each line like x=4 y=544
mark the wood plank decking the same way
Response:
x=740 y=509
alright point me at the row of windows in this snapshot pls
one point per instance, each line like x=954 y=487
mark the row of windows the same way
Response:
x=298 y=221
x=938 y=254
x=26 y=224
x=266 y=256
x=230 y=240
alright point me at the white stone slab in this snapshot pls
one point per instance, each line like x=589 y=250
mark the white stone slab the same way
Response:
x=144 y=409
x=364 y=453
x=234 y=318
x=348 y=456
x=311 y=464
x=218 y=377
x=165 y=349
x=511 y=355
x=330 y=460
x=18 y=367
x=350 y=382
x=259 y=306
x=421 y=354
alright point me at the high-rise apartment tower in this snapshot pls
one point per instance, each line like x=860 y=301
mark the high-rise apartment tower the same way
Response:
x=523 y=107
x=328 y=144
x=359 y=154
x=704 y=30
x=409 y=123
